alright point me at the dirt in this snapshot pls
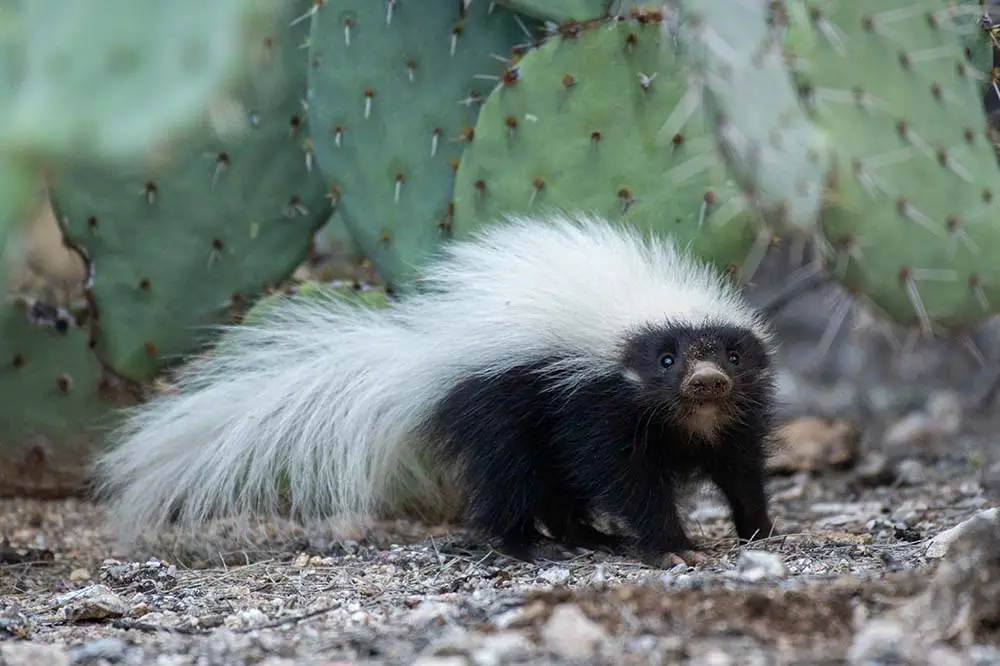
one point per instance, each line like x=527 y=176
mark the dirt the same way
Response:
x=408 y=593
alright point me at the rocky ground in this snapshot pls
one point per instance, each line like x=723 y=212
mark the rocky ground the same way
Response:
x=859 y=545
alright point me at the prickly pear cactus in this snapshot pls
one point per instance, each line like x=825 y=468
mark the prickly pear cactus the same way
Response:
x=564 y=11
x=57 y=400
x=174 y=246
x=394 y=90
x=910 y=212
x=114 y=77
x=580 y=128
x=776 y=155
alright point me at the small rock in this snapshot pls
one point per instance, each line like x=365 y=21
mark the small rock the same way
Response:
x=502 y=648
x=875 y=470
x=940 y=419
x=945 y=409
x=838 y=520
x=983 y=655
x=32 y=654
x=600 y=577
x=77 y=575
x=571 y=634
x=815 y=444
x=939 y=545
x=888 y=642
x=906 y=433
x=110 y=649
x=246 y=619
x=429 y=612
x=554 y=575
x=944 y=655
x=520 y=617
x=451 y=660
x=757 y=565
x=139 y=610
x=210 y=621
x=716 y=657
x=910 y=472
x=881 y=641
x=94 y=602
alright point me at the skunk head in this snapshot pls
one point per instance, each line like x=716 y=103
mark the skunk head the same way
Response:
x=701 y=377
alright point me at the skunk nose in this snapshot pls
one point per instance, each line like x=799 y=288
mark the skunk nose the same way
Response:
x=707 y=381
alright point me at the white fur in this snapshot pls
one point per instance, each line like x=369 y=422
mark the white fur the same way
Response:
x=329 y=395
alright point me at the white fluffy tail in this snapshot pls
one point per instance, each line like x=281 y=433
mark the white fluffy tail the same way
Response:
x=324 y=400
x=318 y=403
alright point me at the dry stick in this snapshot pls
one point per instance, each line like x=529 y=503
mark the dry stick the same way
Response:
x=794 y=290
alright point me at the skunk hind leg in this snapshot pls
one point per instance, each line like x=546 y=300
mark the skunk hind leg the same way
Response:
x=505 y=496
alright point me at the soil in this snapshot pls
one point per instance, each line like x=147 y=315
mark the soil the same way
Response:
x=409 y=593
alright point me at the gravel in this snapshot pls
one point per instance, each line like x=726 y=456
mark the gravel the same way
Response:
x=851 y=551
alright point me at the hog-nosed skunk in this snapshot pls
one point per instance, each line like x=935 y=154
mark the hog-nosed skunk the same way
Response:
x=549 y=369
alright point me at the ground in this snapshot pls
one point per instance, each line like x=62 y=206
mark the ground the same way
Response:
x=852 y=548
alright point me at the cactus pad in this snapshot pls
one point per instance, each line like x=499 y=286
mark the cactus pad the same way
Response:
x=57 y=400
x=774 y=152
x=114 y=77
x=581 y=129
x=910 y=211
x=394 y=94
x=173 y=246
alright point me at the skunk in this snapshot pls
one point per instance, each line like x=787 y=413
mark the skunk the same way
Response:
x=547 y=371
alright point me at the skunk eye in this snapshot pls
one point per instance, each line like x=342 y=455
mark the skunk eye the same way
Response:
x=667 y=360
x=734 y=358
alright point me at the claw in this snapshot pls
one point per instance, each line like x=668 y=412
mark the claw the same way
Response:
x=689 y=558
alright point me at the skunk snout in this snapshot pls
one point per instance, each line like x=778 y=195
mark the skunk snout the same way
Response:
x=706 y=381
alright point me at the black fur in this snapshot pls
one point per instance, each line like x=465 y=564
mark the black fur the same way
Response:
x=613 y=446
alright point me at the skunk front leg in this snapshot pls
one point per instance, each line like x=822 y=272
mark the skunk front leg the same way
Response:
x=741 y=480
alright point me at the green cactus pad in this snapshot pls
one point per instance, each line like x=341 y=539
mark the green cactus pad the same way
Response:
x=57 y=402
x=911 y=206
x=774 y=152
x=581 y=128
x=114 y=77
x=564 y=11
x=393 y=95
x=173 y=245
